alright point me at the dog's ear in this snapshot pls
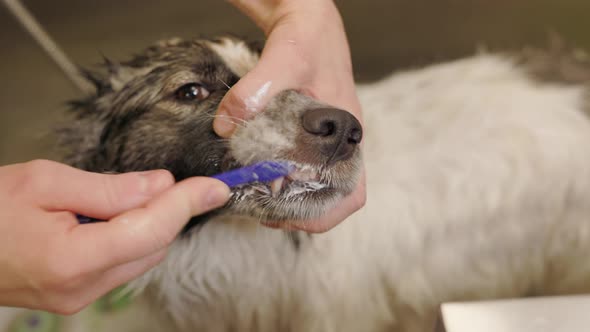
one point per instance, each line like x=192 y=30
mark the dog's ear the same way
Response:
x=100 y=83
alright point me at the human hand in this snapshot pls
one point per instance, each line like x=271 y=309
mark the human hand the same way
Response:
x=306 y=50
x=48 y=261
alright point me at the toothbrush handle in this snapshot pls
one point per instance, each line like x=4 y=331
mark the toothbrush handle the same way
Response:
x=264 y=171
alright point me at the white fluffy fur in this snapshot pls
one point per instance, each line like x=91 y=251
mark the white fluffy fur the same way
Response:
x=478 y=182
x=236 y=54
x=478 y=187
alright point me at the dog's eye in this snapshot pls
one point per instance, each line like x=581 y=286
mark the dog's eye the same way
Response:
x=191 y=92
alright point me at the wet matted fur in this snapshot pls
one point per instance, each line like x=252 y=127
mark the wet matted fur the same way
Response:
x=478 y=176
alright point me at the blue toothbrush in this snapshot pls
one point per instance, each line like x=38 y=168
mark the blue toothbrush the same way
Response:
x=264 y=171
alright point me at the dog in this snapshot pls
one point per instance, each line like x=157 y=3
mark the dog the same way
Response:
x=478 y=177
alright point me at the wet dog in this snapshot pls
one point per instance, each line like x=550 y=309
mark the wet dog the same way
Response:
x=478 y=176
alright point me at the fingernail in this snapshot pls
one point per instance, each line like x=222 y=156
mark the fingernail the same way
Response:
x=218 y=195
x=155 y=181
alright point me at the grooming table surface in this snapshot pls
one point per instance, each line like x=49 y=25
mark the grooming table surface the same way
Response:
x=542 y=314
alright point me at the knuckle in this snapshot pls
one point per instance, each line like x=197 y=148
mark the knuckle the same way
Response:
x=60 y=292
x=34 y=175
x=159 y=237
x=39 y=165
x=148 y=231
x=361 y=201
x=110 y=191
x=61 y=301
x=71 y=305
x=169 y=177
x=36 y=168
x=58 y=276
x=64 y=304
x=67 y=310
x=64 y=218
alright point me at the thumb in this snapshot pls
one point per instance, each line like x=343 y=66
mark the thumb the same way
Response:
x=146 y=230
x=59 y=187
x=252 y=92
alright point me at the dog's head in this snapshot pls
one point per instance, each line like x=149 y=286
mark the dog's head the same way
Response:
x=157 y=111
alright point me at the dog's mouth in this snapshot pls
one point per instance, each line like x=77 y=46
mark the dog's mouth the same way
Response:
x=306 y=193
x=321 y=143
x=304 y=179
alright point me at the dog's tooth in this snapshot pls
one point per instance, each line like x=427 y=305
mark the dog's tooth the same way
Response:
x=310 y=175
x=286 y=182
x=276 y=186
x=294 y=175
x=316 y=176
x=304 y=173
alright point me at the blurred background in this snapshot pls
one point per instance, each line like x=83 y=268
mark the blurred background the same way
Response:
x=385 y=35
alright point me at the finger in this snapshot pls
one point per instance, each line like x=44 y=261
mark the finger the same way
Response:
x=256 y=10
x=75 y=297
x=60 y=187
x=140 y=232
x=253 y=91
x=122 y=274
x=18 y=298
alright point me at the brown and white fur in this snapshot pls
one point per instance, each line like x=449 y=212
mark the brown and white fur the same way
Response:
x=478 y=177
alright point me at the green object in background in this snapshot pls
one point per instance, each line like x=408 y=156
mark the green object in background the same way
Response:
x=40 y=321
x=35 y=321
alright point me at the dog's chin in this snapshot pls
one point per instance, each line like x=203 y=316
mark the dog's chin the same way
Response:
x=305 y=194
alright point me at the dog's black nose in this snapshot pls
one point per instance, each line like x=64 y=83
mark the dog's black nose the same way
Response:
x=336 y=132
